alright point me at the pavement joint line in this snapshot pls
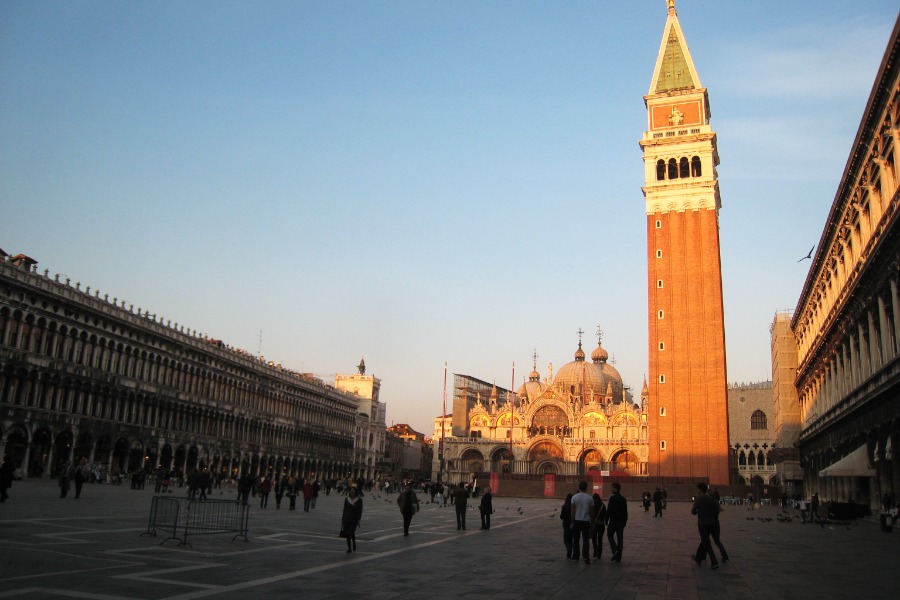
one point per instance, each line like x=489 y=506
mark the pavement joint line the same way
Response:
x=152 y=576
x=77 y=571
x=59 y=593
x=334 y=565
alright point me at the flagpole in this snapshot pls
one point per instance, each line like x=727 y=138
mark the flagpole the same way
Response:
x=443 y=429
x=583 y=382
x=512 y=419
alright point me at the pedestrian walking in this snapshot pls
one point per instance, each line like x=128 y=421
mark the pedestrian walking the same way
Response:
x=460 y=502
x=279 y=492
x=193 y=480
x=291 y=489
x=598 y=525
x=307 y=494
x=351 y=517
x=160 y=475
x=657 y=503
x=7 y=473
x=486 y=508
x=245 y=486
x=582 y=503
x=65 y=479
x=616 y=518
x=265 y=488
x=707 y=510
x=203 y=483
x=565 y=513
x=409 y=505
x=82 y=472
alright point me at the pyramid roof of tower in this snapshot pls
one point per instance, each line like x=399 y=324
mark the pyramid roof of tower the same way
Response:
x=674 y=66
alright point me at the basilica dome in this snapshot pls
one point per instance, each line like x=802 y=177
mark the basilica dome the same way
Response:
x=598 y=376
x=532 y=389
x=612 y=378
x=571 y=376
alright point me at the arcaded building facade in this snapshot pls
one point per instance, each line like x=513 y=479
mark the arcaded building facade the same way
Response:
x=688 y=414
x=82 y=375
x=846 y=326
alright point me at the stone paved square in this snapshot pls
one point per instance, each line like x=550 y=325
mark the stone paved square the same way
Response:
x=92 y=548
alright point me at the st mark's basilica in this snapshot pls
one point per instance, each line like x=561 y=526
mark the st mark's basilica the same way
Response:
x=582 y=420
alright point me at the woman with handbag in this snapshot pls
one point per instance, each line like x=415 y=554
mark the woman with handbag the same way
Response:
x=351 y=517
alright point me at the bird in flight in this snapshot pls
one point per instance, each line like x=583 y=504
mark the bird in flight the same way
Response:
x=809 y=256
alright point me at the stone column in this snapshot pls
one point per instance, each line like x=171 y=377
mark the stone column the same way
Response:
x=874 y=354
x=864 y=364
x=884 y=333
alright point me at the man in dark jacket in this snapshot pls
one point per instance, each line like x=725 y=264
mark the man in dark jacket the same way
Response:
x=616 y=517
x=245 y=486
x=7 y=474
x=487 y=508
x=460 y=502
x=409 y=505
x=707 y=510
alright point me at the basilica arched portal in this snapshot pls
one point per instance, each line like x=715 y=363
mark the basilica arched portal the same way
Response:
x=625 y=460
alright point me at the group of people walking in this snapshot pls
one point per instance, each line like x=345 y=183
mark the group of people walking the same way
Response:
x=290 y=487
x=585 y=518
x=73 y=474
x=408 y=503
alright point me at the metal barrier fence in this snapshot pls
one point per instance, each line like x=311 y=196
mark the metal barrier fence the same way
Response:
x=174 y=516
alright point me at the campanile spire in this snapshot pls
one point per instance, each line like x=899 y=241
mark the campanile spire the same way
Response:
x=688 y=418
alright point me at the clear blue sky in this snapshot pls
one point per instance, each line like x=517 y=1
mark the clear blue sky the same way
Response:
x=416 y=182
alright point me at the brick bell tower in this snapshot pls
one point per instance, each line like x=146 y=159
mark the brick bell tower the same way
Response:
x=688 y=412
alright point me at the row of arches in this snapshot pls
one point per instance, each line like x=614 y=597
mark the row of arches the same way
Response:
x=45 y=453
x=545 y=457
x=551 y=419
x=755 y=459
x=681 y=168
x=97 y=400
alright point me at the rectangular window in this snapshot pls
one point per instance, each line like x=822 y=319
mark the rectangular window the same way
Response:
x=659 y=283
x=659 y=254
x=662 y=345
x=662 y=411
x=662 y=378
x=662 y=444
x=659 y=315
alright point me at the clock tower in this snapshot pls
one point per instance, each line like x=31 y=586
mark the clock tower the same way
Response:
x=688 y=410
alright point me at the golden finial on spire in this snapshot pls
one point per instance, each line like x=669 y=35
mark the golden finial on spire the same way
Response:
x=671 y=4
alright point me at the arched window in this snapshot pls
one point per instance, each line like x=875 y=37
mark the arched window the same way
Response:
x=742 y=459
x=758 y=420
x=684 y=169
x=660 y=170
x=673 y=169
x=696 y=169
